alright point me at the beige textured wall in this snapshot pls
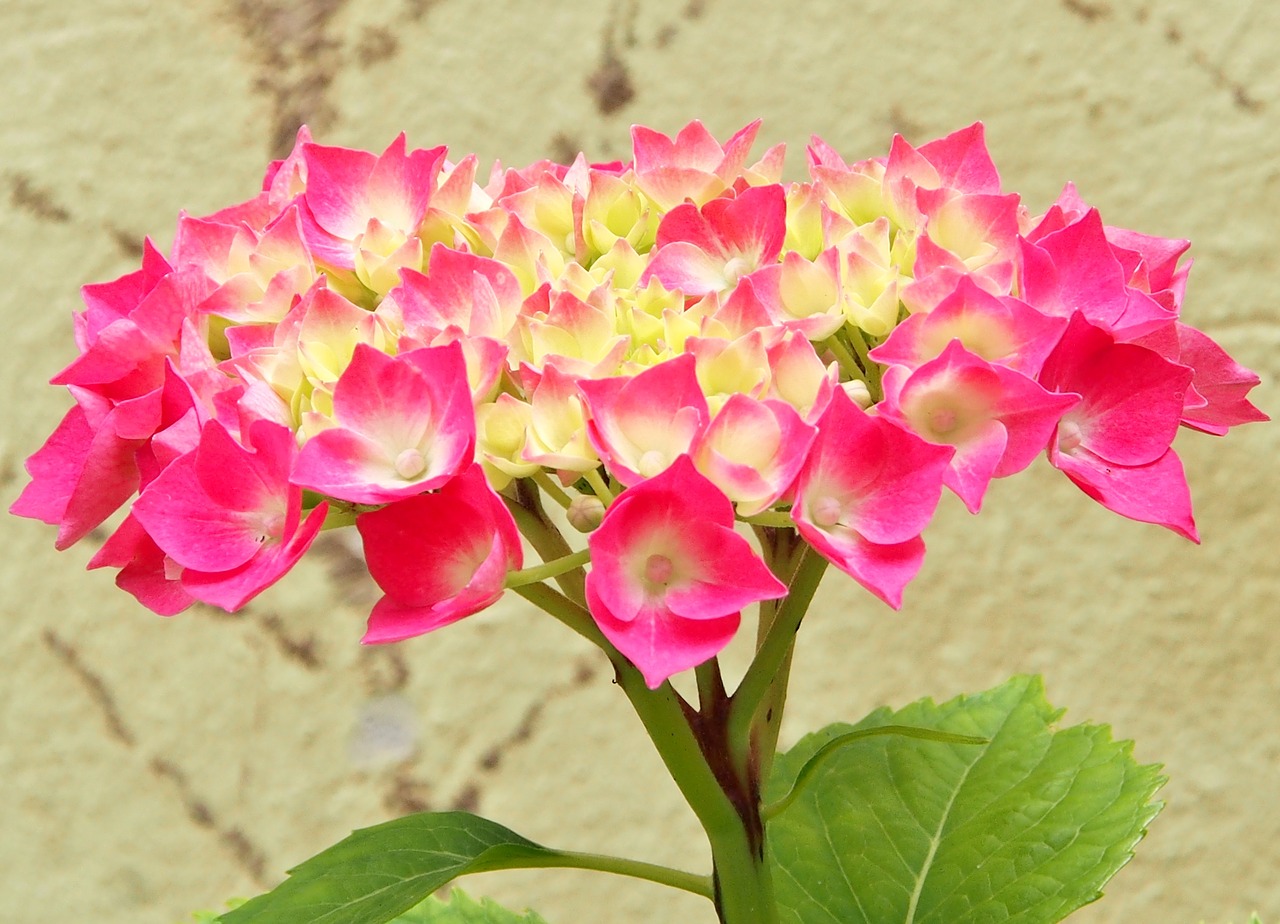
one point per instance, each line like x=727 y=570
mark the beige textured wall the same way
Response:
x=150 y=766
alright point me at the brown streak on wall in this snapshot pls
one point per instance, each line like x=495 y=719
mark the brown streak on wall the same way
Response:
x=93 y=684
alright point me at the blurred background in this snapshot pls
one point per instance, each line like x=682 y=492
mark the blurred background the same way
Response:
x=151 y=767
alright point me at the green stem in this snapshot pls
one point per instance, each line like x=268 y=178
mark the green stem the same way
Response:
x=534 y=524
x=670 y=723
x=566 y=611
x=553 y=568
x=636 y=869
x=694 y=745
x=871 y=367
x=783 y=551
x=743 y=880
x=768 y=723
x=336 y=518
x=556 y=493
x=775 y=649
x=848 y=363
x=597 y=484
x=773 y=518
x=664 y=714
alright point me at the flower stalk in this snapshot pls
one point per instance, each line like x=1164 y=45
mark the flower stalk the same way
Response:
x=719 y=753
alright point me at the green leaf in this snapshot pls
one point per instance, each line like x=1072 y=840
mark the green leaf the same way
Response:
x=895 y=830
x=463 y=909
x=816 y=760
x=380 y=872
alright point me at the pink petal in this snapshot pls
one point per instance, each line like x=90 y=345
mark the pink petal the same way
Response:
x=753 y=451
x=885 y=570
x=142 y=569
x=963 y=162
x=405 y=424
x=1000 y=330
x=393 y=621
x=436 y=552
x=752 y=224
x=1132 y=397
x=55 y=469
x=1220 y=380
x=684 y=267
x=1156 y=492
x=660 y=643
x=666 y=554
x=337 y=188
x=190 y=527
x=1089 y=278
x=888 y=479
x=233 y=588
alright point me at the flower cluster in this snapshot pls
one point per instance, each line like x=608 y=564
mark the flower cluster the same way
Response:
x=667 y=346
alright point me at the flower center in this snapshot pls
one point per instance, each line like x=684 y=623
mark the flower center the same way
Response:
x=942 y=420
x=270 y=527
x=734 y=269
x=658 y=570
x=827 y=511
x=1069 y=436
x=410 y=464
x=651 y=463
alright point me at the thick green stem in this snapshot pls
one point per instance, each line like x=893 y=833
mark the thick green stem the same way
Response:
x=774 y=654
x=709 y=757
x=743 y=881
x=551 y=601
x=664 y=714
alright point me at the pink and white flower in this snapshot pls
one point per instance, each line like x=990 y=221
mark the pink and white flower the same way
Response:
x=227 y=516
x=998 y=420
x=866 y=492
x=684 y=325
x=753 y=450
x=669 y=576
x=1004 y=330
x=438 y=557
x=1115 y=445
x=694 y=166
x=640 y=425
x=401 y=425
x=708 y=249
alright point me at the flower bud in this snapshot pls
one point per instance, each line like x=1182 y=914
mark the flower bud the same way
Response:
x=858 y=393
x=585 y=512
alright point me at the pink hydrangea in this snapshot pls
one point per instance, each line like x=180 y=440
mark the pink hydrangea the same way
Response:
x=665 y=346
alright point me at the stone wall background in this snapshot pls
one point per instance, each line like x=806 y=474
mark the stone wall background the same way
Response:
x=153 y=766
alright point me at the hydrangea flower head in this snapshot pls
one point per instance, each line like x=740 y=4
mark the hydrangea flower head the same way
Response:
x=672 y=347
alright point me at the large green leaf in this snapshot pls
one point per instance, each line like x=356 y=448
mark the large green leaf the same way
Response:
x=463 y=909
x=380 y=872
x=897 y=830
